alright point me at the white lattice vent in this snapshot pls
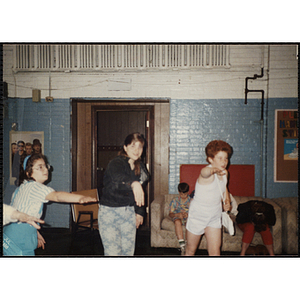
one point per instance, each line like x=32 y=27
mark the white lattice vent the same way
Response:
x=42 y=57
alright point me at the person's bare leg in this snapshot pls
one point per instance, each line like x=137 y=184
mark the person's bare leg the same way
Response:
x=270 y=249
x=213 y=239
x=178 y=229
x=192 y=243
x=179 y=234
x=245 y=246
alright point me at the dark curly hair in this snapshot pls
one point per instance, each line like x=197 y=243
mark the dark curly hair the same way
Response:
x=259 y=221
x=215 y=146
x=258 y=217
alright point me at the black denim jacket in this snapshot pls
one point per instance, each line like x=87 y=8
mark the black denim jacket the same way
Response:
x=117 y=181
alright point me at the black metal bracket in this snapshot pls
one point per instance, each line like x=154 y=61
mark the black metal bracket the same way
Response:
x=255 y=76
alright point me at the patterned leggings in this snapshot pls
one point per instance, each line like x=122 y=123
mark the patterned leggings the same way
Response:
x=117 y=228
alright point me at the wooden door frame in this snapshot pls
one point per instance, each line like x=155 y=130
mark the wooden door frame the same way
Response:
x=82 y=146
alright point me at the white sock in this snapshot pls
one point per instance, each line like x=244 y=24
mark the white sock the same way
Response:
x=181 y=242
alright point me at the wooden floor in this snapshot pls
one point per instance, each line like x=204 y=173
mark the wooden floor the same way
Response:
x=60 y=242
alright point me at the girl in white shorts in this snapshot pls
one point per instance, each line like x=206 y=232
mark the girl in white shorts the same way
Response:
x=206 y=208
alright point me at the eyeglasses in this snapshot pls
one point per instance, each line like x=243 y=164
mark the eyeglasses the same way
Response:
x=41 y=167
x=21 y=146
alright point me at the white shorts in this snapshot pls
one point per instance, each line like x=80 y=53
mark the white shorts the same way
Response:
x=197 y=222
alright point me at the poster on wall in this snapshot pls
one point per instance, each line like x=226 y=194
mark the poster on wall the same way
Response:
x=22 y=144
x=286 y=145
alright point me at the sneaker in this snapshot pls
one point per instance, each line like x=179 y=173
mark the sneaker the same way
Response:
x=182 y=246
x=182 y=251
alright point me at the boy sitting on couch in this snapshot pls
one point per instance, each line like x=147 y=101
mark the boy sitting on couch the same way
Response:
x=179 y=207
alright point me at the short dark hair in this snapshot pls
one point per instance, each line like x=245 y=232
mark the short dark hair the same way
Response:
x=260 y=222
x=258 y=217
x=183 y=187
x=36 y=142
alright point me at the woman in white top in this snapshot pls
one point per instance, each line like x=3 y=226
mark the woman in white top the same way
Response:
x=29 y=198
x=206 y=208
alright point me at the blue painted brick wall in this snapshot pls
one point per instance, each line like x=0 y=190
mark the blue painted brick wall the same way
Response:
x=194 y=123
x=54 y=119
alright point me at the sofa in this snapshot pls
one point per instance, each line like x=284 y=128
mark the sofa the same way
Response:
x=285 y=231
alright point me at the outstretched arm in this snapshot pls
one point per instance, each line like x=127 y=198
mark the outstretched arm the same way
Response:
x=206 y=174
x=22 y=217
x=10 y=214
x=208 y=171
x=69 y=198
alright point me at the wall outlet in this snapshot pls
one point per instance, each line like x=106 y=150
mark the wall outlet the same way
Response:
x=49 y=99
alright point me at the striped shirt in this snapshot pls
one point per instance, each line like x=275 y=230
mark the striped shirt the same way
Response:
x=29 y=198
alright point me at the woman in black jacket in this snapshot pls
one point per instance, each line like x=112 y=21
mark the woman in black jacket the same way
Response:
x=121 y=208
x=256 y=216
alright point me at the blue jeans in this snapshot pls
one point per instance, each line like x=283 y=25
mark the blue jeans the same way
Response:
x=117 y=228
x=19 y=239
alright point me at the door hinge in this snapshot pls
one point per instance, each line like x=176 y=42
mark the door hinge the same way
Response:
x=147 y=123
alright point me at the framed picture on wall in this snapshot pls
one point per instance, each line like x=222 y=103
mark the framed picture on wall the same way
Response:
x=286 y=145
x=22 y=144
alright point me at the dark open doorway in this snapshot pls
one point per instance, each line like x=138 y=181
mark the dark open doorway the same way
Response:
x=111 y=126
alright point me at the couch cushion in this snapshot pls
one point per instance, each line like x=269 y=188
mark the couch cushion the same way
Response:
x=289 y=219
x=168 y=199
x=168 y=224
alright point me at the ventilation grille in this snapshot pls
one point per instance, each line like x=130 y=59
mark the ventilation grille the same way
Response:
x=112 y=57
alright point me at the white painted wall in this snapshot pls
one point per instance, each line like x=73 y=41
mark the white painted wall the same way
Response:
x=280 y=78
